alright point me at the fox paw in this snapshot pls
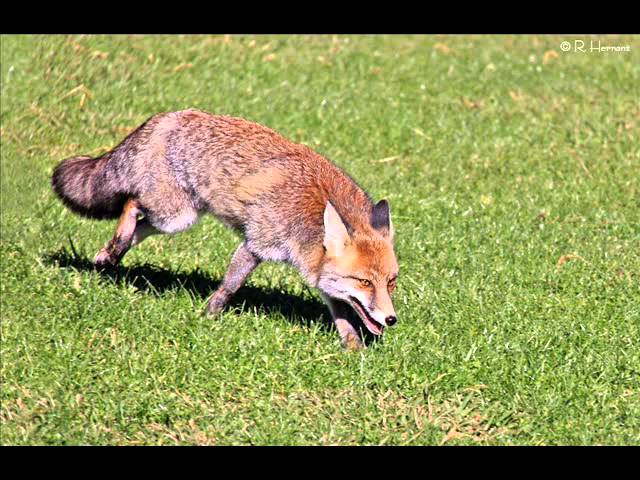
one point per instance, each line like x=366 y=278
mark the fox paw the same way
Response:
x=212 y=311
x=352 y=342
x=216 y=304
x=105 y=259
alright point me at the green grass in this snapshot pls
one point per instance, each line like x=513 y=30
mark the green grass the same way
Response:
x=513 y=179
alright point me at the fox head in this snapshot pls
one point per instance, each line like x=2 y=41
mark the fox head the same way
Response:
x=360 y=266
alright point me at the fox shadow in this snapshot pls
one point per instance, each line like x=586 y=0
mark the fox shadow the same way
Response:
x=156 y=280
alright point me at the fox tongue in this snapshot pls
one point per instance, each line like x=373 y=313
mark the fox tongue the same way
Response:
x=373 y=326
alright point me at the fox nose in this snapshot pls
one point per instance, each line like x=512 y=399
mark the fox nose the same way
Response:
x=390 y=320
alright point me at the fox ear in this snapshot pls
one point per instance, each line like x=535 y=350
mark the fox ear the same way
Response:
x=336 y=236
x=381 y=218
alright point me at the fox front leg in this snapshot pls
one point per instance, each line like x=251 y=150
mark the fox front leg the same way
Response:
x=242 y=264
x=349 y=336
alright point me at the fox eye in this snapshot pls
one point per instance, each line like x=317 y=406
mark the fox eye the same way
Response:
x=364 y=282
x=391 y=286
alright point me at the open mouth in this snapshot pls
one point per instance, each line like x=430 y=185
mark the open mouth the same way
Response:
x=373 y=326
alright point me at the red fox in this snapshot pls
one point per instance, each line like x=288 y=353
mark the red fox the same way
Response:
x=289 y=203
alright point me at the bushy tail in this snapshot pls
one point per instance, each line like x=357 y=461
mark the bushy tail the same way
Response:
x=85 y=186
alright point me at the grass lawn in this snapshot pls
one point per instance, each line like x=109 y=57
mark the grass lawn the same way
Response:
x=512 y=169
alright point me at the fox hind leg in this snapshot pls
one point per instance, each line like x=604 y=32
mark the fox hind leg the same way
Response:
x=242 y=264
x=114 y=250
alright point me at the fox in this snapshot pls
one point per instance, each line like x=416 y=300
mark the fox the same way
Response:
x=288 y=203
